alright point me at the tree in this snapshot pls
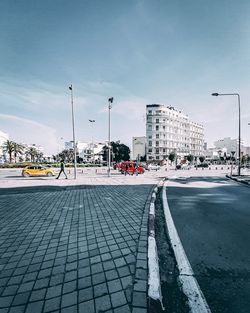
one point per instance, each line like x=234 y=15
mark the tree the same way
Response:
x=8 y=147
x=172 y=156
x=190 y=158
x=32 y=153
x=17 y=149
x=119 y=152
x=202 y=158
x=67 y=155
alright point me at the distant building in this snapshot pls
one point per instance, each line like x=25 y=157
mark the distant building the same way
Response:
x=169 y=130
x=87 y=151
x=229 y=145
x=3 y=138
x=139 y=147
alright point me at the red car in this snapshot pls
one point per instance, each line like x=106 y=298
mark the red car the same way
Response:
x=131 y=168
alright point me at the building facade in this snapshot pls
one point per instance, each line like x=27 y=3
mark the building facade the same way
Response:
x=139 y=148
x=169 y=130
x=3 y=138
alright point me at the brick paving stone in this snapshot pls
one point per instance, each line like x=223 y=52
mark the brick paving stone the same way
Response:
x=54 y=291
x=88 y=306
x=110 y=275
x=35 y=307
x=102 y=303
x=6 y=301
x=17 y=309
x=114 y=285
x=52 y=304
x=70 y=286
x=98 y=278
x=10 y=290
x=84 y=282
x=26 y=286
x=139 y=310
x=123 y=309
x=139 y=299
x=141 y=273
x=85 y=294
x=71 y=309
x=100 y=290
x=38 y=294
x=56 y=280
x=69 y=299
x=140 y=285
x=118 y=299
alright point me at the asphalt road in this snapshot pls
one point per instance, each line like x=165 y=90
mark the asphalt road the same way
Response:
x=212 y=217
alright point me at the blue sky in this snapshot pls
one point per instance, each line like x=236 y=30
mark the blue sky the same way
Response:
x=140 y=52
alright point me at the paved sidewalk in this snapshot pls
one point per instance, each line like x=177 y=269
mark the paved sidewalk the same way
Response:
x=75 y=248
x=245 y=179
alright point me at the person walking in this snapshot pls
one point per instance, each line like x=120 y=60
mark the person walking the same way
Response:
x=62 y=170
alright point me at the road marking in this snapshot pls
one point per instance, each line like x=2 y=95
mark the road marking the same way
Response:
x=189 y=284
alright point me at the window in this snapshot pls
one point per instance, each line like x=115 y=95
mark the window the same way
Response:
x=157 y=120
x=156 y=127
x=157 y=143
x=150 y=143
x=157 y=136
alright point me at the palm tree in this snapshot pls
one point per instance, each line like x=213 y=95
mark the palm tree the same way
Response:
x=8 y=147
x=17 y=149
x=32 y=152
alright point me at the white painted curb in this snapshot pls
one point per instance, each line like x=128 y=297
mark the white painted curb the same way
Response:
x=154 y=285
x=190 y=287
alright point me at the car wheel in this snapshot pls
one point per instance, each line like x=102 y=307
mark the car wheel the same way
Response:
x=49 y=174
x=26 y=175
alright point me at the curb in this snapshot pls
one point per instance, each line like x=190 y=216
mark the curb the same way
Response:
x=238 y=180
x=154 y=285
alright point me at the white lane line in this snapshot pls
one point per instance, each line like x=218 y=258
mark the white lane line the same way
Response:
x=189 y=284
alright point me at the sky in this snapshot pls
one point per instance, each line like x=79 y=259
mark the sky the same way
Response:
x=139 y=52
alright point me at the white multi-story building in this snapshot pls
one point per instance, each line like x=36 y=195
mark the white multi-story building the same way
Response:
x=139 y=147
x=3 y=138
x=169 y=130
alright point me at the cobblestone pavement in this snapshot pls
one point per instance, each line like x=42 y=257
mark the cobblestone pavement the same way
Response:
x=74 y=249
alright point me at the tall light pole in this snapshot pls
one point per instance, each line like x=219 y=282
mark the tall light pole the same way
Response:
x=73 y=128
x=110 y=100
x=233 y=94
x=92 y=122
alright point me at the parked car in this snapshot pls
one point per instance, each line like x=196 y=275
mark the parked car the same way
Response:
x=37 y=170
x=153 y=167
x=202 y=165
x=131 y=168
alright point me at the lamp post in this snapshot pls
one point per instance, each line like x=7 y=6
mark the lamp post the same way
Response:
x=233 y=94
x=73 y=128
x=110 y=100
x=92 y=122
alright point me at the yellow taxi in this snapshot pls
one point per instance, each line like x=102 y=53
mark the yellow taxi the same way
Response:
x=37 y=170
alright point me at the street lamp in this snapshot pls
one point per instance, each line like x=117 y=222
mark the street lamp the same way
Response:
x=73 y=129
x=233 y=94
x=92 y=122
x=110 y=100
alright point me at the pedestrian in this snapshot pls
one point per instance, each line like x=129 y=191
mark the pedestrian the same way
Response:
x=62 y=170
x=126 y=169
